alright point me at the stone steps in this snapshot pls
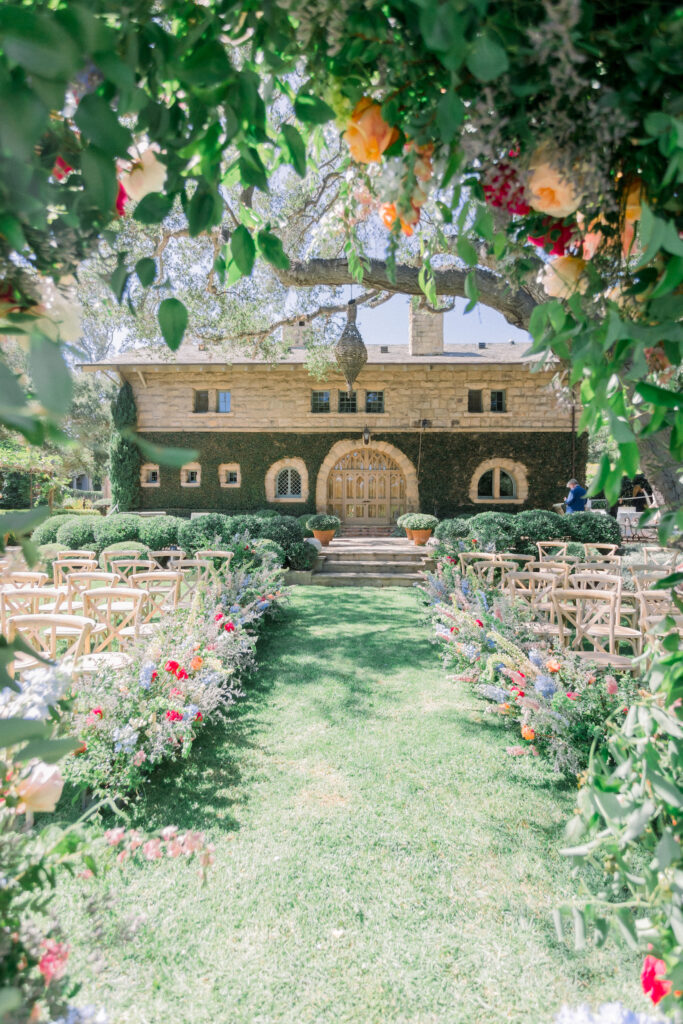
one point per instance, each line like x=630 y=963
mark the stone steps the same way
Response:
x=383 y=563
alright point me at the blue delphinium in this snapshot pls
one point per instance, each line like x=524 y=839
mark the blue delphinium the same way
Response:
x=536 y=658
x=496 y=693
x=234 y=608
x=125 y=739
x=608 y=1013
x=545 y=686
x=465 y=586
x=145 y=676
x=484 y=603
x=189 y=712
x=470 y=651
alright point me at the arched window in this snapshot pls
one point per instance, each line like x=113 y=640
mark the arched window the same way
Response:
x=499 y=481
x=288 y=483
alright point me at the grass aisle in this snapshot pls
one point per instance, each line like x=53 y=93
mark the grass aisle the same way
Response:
x=379 y=858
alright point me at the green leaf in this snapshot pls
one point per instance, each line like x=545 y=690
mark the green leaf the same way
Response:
x=672 y=277
x=99 y=175
x=296 y=149
x=99 y=123
x=669 y=581
x=630 y=458
x=312 y=110
x=10 y=999
x=243 y=249
x=22 y=120
x=37 y=43
x=146 y=269
x=172 y=317
x=271 y=249
x=443 y=31
x=666 y=790
x=487 y=59
x=11 y=393
x=50 y=375
x=660 y=396
x=203 y=211
x=466 y=251
x=153 y=208
x=252 y=171
x=163 y=455
x=18 y=730
x=24 y=522
x=47 y=750
x=119 y=277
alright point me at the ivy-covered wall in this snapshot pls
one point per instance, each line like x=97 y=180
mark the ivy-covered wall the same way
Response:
x=446 y=463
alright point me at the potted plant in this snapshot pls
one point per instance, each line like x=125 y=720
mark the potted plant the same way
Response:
x=401 y=521
x=324 y=527
x=420 y=526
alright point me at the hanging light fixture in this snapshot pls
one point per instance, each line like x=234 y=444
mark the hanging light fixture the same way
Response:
x=366 y=435
x=350 y=350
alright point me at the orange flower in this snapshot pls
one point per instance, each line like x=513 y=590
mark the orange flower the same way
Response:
x=196 y=663
x=423 y=164
x=389 y=215
x=368 y=134
x=553 y=665
x=528 y=733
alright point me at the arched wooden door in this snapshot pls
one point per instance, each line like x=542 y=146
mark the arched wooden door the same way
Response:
x=366 y=487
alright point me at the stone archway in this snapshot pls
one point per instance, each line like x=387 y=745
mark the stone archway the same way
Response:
x=373 y=467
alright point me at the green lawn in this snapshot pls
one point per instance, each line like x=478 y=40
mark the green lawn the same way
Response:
x=379 y=858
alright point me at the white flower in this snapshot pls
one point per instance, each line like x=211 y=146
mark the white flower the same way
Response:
x=563 y=276
x=147 y=174
x=39 y=691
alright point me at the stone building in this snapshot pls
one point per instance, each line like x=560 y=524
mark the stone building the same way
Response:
x=441 y=430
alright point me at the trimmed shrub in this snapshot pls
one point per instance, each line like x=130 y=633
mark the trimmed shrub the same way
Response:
x=245 y=523
x=209 y=531
x=78 y=533
x=420 y=521
x=47 y=553
x=301 y=556
x=495 y=529
x=592 y=528
x=115 y=529
x=538 y=524
x=323 y=522
x=576 y=549
x=303 y=523
x=285 y=530
x=159 y=532
x=262 y=545
x=401 y=520
x=102 y=504
x=267 y=513
x=46 y=533
x=450 y=530
x=125 y=545
x=71 y=511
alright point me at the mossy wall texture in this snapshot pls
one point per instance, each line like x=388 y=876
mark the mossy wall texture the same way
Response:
x=445 y=462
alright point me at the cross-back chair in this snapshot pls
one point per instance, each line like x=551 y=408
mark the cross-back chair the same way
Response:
x=61 y=567
x=18 y=580
x=29 y=601
x=592 y=616
x=493 y=571
x=85 y=553
x=162 y=589
x=196 y=572
x=474 y=556
x=165 y=557
x=601 y=553
x=78 y=582
x=125 y=568
x=114 y=609
x=107 y=557
x=45 y=634
x=551 y=550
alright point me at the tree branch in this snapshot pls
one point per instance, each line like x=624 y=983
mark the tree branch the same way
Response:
x=515 y=306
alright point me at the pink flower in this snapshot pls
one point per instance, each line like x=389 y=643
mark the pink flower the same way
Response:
x=121 y=199
x=97 y=711
x=175 y=692
x=115 y=835
x=140 y=758
x=174 y=848
x=208 y=855
x=41 y=790
x=556 y=235
x=504 y=188
x=193 y=841
x=61 y=169
x=516 y=751
x=229 y=627
x=174 y=716
x=146 y=175
x=135 y=839
x=169 y=832
x=479 y=623
x=572 y=695
x=218 y=617
x=171 y=666
x=611 y=685
x=120 y=857
x=652 y=979
x=152 y=849
x=52 y=964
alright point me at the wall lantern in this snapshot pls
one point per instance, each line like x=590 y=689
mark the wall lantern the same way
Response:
x=350 y=350
x=366 y=435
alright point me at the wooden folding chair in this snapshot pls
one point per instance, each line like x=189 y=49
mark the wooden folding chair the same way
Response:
x=655 y=606
x=591 y=616
x=18 y=580
x=165 y=557
x=76 y=554
x=127 y=567
x=162 y=588
x=29 y=601
x=512 y=556
x=61 y=568
x=113 y=609
x=643 y=579
x=112 y=556
x=78 y=582
x=44 y=634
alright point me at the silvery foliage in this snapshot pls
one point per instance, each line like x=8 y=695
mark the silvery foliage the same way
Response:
x=83 y=1015
x=608 y=1013
x=39 y=691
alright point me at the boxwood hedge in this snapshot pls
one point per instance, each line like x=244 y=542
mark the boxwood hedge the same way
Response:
x=78 y=533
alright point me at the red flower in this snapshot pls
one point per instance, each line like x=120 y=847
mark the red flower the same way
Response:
x=97 y=711
x=199 y=717
x=171 y=666
x=514 y=689
x=572 y=695
x=652 y=979
x=504 y=188
x=479 y=623
x=82 y=749
x=218 y=617
x=181 y=674
x=154 y=674
x=557 y=236
x=61 y=169
x=121 y=199
x=229 y=627
x=174 y=716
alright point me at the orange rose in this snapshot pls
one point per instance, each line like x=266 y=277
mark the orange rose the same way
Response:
x=196 y=663
x=563 y=276
x=528 y=733
x=389 y=215
x=368 y=134
x=553 y=665
x=423 y=164
x=550 y=190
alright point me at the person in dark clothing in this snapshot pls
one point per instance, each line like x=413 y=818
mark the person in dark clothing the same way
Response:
x=576 y=499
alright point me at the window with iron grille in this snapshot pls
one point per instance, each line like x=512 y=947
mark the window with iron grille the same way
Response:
x=201 y=401
x=497 y=401
x=347 y=401
x=192 y=476
x=152 y=476
x=320 y=401
x=474 y=403
x=231 y=476
x=223 y=401
x=288 y=484
x=374 y=401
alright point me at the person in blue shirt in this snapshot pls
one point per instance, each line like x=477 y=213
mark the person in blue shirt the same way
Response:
x=576 y=499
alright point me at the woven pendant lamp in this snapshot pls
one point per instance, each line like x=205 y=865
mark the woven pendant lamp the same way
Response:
x=350 y=350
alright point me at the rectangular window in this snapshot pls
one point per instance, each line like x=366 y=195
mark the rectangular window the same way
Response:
x=374 y=401
x=320 y=401
x=231 y=476
x=497 y=401
x=474 y=403
x=223 y=401
x=201 y=401
x=152 y=476
x=347 y=401
x=192 y=476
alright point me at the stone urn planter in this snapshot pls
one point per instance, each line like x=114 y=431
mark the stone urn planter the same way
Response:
x=324 y=527
x=420 y=527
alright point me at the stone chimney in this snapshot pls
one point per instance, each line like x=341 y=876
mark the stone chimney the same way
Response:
x=425 y=332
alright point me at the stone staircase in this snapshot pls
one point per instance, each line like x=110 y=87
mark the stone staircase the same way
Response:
x=370 y=562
